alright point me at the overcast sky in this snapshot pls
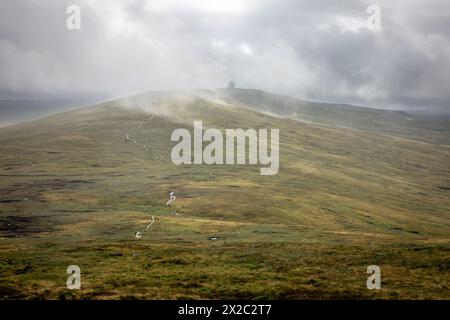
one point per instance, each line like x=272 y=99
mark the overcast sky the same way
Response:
x=319 y=50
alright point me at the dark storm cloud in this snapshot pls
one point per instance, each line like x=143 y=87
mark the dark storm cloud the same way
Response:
x=317 y=50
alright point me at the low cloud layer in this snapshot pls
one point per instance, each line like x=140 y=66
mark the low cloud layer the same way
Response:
x=319 y=50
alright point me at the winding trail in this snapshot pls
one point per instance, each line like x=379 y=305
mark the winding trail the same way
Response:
x=128 y=138
x=139 y=234
x=128 y=134
x=161 y=158
x=172 y=198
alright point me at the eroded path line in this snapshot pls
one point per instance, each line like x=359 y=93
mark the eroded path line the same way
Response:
x=128 y=137
x=139 y=234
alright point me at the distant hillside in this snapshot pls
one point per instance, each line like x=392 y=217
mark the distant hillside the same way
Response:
x=18 y=110
x=427 y=128
x=352 y=167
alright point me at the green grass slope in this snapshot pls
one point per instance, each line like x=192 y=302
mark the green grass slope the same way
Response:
x=73 y=191
x=432 y=128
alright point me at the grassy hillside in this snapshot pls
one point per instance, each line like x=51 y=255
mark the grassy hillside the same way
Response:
x=74 y=191
x=432 y=128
